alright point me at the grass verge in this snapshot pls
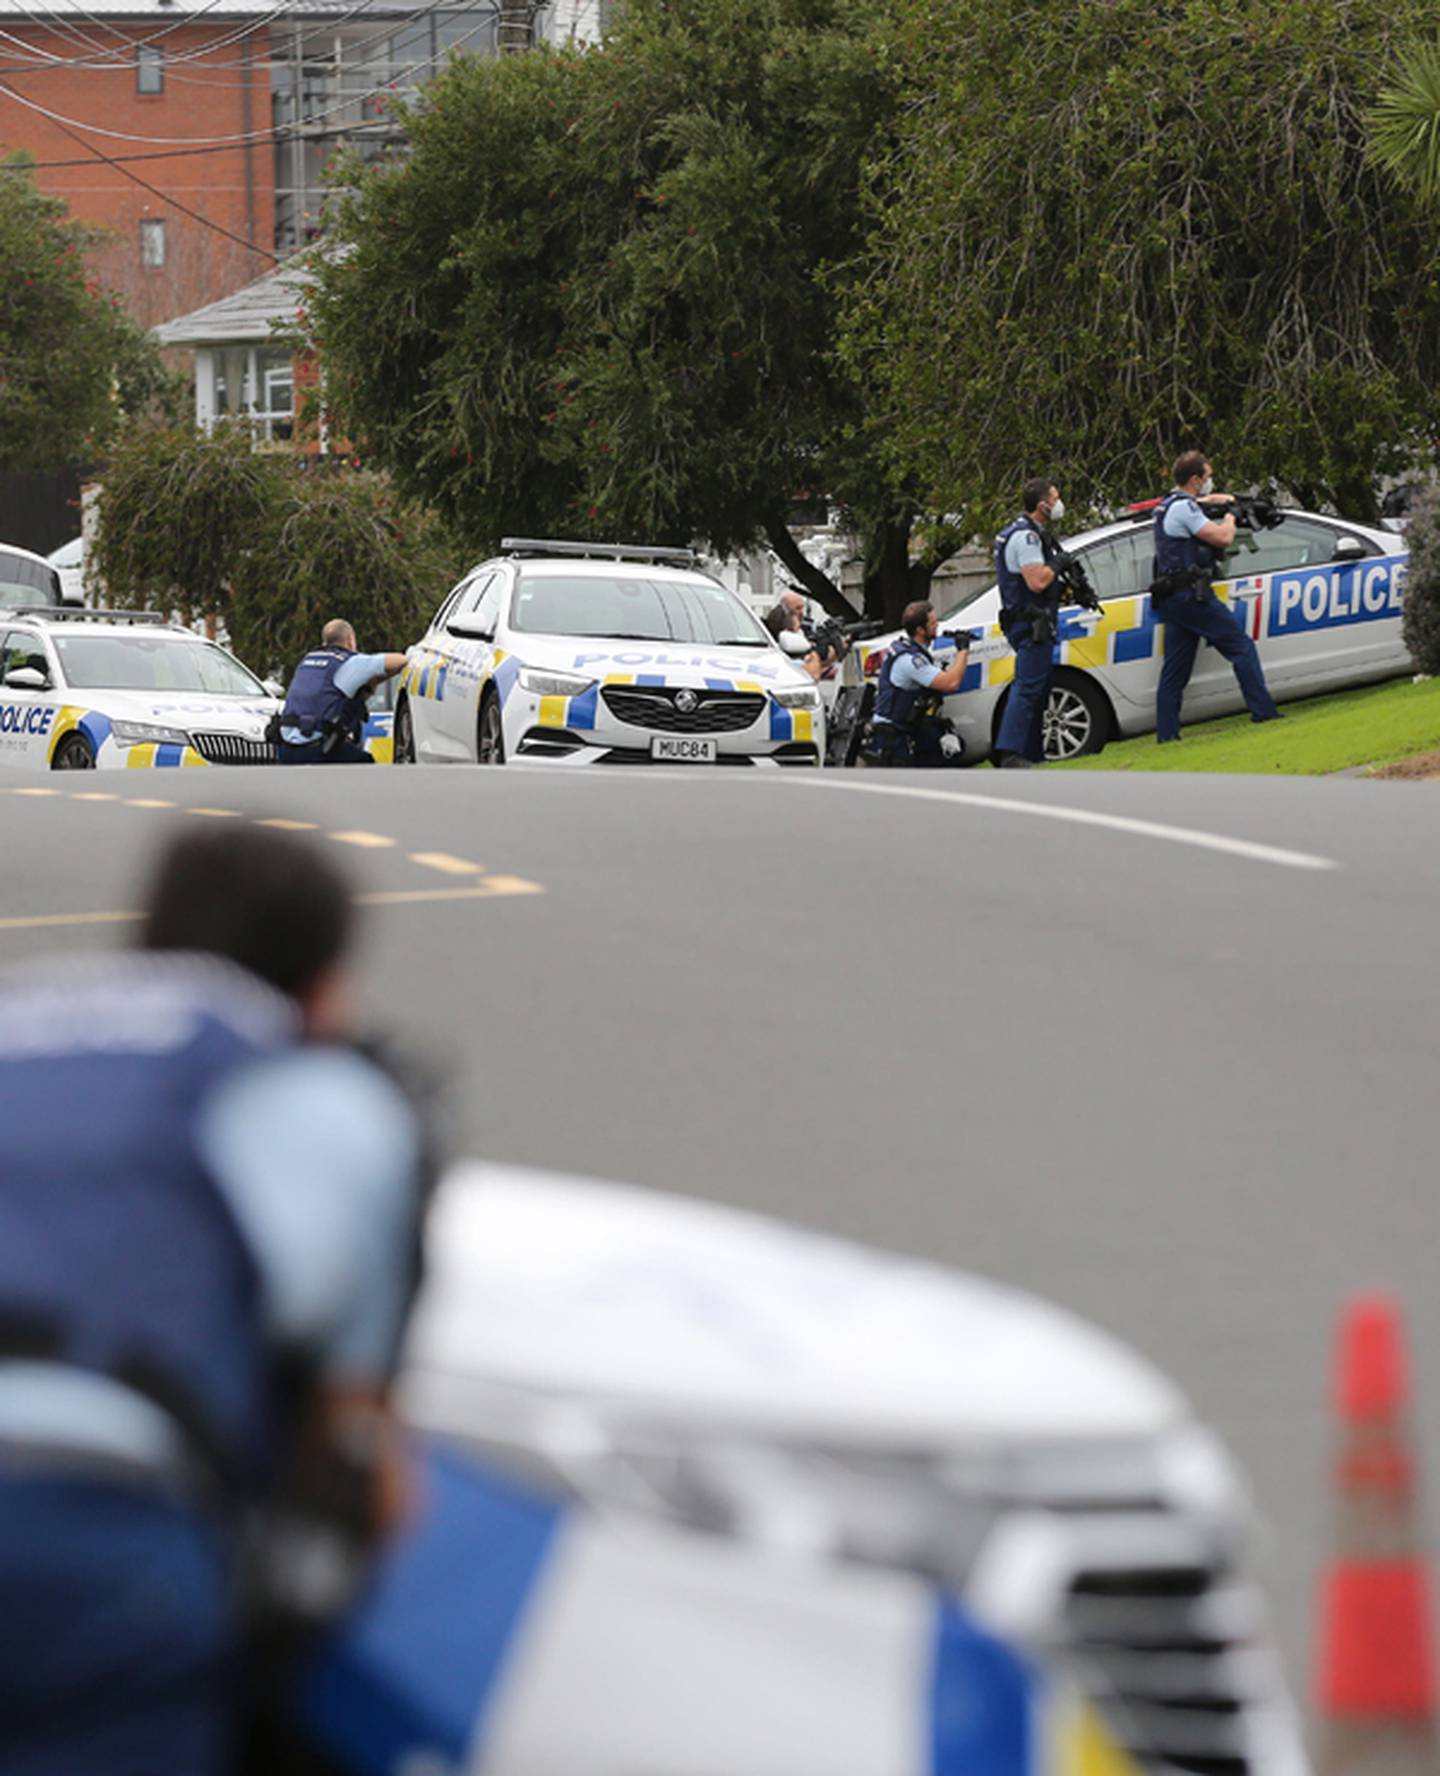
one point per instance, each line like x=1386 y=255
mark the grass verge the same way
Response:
x=1374 y=726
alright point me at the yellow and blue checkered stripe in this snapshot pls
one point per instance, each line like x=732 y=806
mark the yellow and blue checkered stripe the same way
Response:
x=97 y=730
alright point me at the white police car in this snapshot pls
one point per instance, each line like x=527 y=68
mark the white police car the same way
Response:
x=81 y=690
x=585 y=654
x=1320 y=596
x=710 y=1494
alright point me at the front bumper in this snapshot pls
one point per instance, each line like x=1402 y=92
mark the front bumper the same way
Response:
x=544 y=745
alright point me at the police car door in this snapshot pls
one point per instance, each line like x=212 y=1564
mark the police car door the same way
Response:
x=27 y=711
x=466 y=644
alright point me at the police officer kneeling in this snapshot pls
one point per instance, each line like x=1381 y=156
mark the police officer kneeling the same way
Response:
x=907 y=728
x=209 y=1212
x=1189 y=547
x=324 y=713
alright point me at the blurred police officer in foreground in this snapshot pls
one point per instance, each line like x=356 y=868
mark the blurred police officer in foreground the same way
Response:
x=208 y=1220
x=324 y=713
x=1024 y=565
x=905 y=728
x=1189 y=546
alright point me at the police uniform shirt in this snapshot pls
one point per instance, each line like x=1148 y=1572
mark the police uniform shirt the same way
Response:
x=1024 y=549
x=351 y=677
x=315 y=1152
x=907 y=673
x=1184 y=518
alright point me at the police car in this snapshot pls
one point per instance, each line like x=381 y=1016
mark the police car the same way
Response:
x=81 y=690
x=711 y=1494
x=1321 y=598
x=593 y=654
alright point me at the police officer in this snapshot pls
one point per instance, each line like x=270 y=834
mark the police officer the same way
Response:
x=1189 y=547
x=903 y=729
x=1025 y=554
x=208 y=1220
x=324 y=711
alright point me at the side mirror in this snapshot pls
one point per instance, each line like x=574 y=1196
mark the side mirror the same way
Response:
x=1353 y=548
x=26 y=678
x=470 y=629
x=272 y=687
x=794 y=643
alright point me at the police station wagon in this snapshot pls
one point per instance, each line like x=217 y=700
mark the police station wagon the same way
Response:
x=1321 y=597
x=585 y=654
x=86 y=690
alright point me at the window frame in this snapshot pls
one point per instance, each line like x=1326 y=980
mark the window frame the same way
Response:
x=149 y=67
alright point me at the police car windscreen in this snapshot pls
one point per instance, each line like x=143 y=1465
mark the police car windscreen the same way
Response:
x=152 y=663
x=634 y=609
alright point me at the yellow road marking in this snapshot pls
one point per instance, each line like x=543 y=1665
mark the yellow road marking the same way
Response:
x=441 y=860
x=37 y=792
x=508 y=885
x=367 y=840
x=92 y=795
x=216 y=813
x=69 y=919
x=146 y=802
x=289 y=825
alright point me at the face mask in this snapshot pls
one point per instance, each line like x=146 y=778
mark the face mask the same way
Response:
x=1207 y=487
x=1058 y=509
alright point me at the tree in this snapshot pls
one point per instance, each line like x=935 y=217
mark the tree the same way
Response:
x=203 y=524
x=1151 y=229
x=599 y=297
x=1421 y=620
x=69 y=358
x=1405 y=123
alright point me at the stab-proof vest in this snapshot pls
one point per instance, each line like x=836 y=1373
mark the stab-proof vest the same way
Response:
x=1016 y=598
x=118 y=1252
x=313 y=704
x=1182 y=554
x=901 y=707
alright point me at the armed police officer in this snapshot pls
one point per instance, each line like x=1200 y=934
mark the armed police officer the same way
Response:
x=1189 y=547
x=324 y=713
x=209 y=1210
x=907 y=727
x=1027 y=560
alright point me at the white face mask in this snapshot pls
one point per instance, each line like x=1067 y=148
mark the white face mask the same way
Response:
x=1058 y=509
x=1207 y=487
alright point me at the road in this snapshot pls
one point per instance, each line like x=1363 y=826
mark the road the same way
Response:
x=1046 y=1029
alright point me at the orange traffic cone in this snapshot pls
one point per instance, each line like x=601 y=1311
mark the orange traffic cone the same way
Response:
x=1375 y=1679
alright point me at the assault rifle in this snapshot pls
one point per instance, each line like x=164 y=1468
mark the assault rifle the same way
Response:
x=1251 y=511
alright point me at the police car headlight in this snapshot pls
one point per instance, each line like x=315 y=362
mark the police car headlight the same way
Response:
x=796 y=696
x=137 y=733
x=553 y=684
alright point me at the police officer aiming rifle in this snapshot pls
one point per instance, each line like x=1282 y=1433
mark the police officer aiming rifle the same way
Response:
x=1035 y=574
x=324 y=713
x=907 y=727
x=1194 y=527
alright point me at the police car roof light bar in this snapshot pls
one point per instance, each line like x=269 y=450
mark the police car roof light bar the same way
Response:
x=599 y=551
x=64 y=613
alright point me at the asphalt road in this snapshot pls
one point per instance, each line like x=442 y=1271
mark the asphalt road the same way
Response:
x=1188 y=1091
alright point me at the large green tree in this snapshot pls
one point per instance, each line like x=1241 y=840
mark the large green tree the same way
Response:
x=1102 y=238
x=598 y=298
x=70 y=359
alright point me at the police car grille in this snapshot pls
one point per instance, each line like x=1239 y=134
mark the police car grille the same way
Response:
x=1167 y=1654
x=715 y=712
x=233 y=749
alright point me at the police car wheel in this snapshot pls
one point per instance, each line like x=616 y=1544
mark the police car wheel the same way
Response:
x=404 y=750
x=74 y=753
x=490 y=733
x=1077 y=718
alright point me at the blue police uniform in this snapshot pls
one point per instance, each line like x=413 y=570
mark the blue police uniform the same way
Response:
x=323 y=715
x=1022 y=727
x=1192 y=614
x=150 y=1267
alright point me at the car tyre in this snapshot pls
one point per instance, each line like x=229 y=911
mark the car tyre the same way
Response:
x=403 y=752
x=74 y=753
x=1078 y=717
x=490 y=732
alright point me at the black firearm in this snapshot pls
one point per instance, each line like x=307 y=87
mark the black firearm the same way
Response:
x=1251 y=511
x=1071 y=575
x=963 y=638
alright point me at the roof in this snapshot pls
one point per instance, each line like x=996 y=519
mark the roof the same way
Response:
x=151 y=11
x=245 y=317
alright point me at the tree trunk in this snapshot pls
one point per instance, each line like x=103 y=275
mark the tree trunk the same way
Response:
x=804 y=572
x=514 y=30
x=892 y=579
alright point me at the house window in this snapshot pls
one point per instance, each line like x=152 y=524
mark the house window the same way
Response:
x=152 y=241
x=149 y=69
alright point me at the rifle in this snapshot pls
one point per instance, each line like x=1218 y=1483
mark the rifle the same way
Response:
x=1251 y=511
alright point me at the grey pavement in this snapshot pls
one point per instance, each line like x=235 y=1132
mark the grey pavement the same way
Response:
x=1188 y=1092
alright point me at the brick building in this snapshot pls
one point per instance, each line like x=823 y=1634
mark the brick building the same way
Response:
x=196 y=136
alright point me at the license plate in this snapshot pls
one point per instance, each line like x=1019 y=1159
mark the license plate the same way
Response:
x=684 y=749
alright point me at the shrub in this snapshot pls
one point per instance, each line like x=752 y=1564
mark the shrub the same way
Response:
x=1421 y=625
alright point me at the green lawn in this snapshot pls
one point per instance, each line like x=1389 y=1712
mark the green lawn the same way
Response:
x=1319 y=734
